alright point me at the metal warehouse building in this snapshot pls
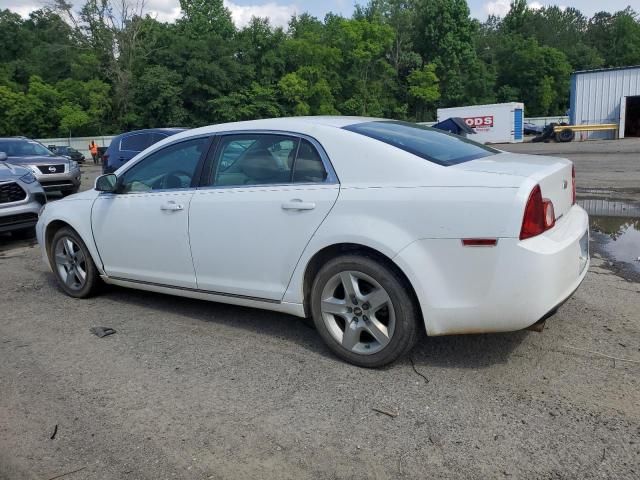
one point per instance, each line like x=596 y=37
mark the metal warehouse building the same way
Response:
x=607 y=96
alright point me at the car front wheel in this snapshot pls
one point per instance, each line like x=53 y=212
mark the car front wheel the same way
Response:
x=363 y=311
x=72 y=264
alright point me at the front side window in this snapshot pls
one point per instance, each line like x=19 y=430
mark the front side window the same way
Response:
x=172 y=167
x=431 y=144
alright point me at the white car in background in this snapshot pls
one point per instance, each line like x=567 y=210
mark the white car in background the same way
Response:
x=375 y=228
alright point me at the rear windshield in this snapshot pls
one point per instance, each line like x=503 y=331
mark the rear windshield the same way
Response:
x=431 y=144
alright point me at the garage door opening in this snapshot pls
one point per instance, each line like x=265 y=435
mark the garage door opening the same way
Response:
x=632 y=117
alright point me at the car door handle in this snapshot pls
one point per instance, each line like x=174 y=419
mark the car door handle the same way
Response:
x=297 y=204
x=172 y=207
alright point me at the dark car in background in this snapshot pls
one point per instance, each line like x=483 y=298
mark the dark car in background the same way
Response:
x=127 y=145
x=65 y=151
x=54 y=172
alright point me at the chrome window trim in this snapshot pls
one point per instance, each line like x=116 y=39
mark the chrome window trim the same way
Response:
x=332 y=177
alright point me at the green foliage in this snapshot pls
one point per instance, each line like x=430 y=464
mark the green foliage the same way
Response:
x=73 y=118
x=542 y=79
x=424 y=87
x=158 y=95
x=249 y=104
x=616 y=37
x=105 y=69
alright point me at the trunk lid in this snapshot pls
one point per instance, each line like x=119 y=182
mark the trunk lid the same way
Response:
x=551 y=173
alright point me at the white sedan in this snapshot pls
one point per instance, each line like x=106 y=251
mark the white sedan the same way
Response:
x=375 y=228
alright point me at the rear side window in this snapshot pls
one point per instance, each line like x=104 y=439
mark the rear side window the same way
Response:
x=137 y=142
x=308 y=166
x=156 y=137
x=254 y=159
x=431 y=144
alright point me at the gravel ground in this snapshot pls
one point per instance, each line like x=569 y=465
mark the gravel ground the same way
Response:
x=196 y=390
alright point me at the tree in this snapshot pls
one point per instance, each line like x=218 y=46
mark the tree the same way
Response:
x=443 y=35
x=424 y=88
x=542 y=79
x=74 y=120
x=204 y=17
x=251 y=103
x=108 y=65
x=616 y=37
x=158 y=94
x=260 y=49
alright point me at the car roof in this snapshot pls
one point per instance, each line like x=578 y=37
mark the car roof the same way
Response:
x=295 y=124
x=320 y=120
x=171 y=130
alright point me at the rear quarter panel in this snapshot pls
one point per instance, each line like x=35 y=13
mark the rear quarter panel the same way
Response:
x=388 y=219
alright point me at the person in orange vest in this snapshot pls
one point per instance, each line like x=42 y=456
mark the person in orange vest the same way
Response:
x=93 y=148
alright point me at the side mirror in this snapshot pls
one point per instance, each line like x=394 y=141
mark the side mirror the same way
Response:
x=106 y=183
x=3 y=157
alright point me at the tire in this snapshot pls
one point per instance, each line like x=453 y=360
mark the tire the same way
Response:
x=394 y=320
x=565 y=135
x=69 y=261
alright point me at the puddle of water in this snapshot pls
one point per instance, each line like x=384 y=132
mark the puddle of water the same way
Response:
x=615 y=225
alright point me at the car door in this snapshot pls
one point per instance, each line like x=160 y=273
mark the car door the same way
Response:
x=262 y=199
x=142 y=230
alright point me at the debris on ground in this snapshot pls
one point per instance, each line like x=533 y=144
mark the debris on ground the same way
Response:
x=67 y=473
x=102 y=331
x=389 y=413
x=413 y=365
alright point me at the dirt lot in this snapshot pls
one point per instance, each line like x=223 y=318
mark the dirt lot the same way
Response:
x=196 y=390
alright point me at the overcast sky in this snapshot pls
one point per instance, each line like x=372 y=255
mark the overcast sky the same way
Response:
x=279 y=11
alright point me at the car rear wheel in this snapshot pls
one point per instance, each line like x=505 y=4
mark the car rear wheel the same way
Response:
x=72 y=264
x=363 y=311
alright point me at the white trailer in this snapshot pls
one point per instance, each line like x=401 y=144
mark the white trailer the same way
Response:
x=497 y=123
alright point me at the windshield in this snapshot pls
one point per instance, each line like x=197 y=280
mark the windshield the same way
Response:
x=24 y=148
x=431 y=144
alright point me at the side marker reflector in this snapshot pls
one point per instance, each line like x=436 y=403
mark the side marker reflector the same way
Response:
x=479 y=242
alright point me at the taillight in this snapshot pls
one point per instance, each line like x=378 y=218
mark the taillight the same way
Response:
x=539 y=215
x=573 y=183
x=549 y=214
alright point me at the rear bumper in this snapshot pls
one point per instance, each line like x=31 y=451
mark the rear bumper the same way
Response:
x=496 y=289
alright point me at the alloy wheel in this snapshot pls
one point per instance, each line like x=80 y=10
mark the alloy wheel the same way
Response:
x=71 y=263
x=358 y=312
